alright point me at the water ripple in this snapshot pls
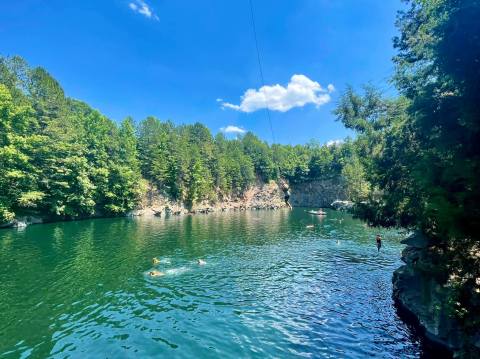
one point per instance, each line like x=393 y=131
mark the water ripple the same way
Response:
x=270 y=288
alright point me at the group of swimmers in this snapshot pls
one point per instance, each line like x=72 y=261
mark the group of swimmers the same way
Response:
x=157 y=273
x=201 y=262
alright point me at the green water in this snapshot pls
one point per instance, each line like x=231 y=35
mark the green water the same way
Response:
x=270 y=288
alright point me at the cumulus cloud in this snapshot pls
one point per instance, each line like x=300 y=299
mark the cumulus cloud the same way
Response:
x=233 y=129
x=334 y=143
x=299 y=92
x=141 y=7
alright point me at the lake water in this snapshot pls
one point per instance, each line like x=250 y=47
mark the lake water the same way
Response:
x=271 y=287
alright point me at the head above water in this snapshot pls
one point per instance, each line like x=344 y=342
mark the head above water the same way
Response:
x=156 y=273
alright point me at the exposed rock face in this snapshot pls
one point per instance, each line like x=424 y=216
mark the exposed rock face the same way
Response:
x=342 y=205
x=422 y=297
x=155 y=203
x=319 y=193
x=260 y=196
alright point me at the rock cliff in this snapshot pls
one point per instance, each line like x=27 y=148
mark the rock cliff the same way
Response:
x=260 y=196
x=320 y=193
x=422 y=298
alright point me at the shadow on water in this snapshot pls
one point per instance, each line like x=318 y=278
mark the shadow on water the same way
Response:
x=275 y=284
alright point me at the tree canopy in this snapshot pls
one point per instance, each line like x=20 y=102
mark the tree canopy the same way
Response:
x=59 y=156
x=420 y=151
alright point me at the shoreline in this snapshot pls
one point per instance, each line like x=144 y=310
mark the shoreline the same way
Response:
x=262 y=196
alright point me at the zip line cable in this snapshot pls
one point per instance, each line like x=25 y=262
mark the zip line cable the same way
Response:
x=260 y=68
x=262 y=79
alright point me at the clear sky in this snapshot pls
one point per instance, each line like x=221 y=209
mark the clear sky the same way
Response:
x=193 y=61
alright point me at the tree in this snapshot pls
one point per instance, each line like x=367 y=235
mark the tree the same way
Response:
x=421 y=150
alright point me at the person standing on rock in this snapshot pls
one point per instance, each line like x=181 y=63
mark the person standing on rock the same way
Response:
x=379 y=242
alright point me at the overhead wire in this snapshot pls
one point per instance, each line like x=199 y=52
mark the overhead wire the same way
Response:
x=260 y=68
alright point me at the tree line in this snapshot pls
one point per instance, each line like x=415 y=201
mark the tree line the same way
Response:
x=60 y=157
x=420 y=150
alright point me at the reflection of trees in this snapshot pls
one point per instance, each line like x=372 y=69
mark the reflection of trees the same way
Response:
x=53 y=276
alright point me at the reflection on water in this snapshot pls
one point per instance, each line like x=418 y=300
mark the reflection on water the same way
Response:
x=275 y=284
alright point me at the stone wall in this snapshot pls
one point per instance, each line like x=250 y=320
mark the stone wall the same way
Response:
x=319 y=193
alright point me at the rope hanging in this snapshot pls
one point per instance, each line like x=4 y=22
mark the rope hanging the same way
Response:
x=262 y=79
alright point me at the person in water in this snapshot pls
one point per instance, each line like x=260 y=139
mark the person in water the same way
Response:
x=201 y=262
x=155 y=273
x=155 y=261
x=286 y=193
x=379 y=242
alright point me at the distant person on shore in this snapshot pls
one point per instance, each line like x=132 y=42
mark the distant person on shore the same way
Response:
x=379 y=242
x=286 y=193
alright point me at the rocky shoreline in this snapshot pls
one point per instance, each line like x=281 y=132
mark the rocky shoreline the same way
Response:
x=422 y=299
x=262 y=196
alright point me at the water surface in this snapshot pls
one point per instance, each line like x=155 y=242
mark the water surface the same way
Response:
x=271 y=287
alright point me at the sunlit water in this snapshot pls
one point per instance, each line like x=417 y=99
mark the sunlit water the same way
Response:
x=271 y=287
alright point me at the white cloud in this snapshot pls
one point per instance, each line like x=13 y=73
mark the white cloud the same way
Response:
x=141 y=7
x=219 y=99
x=299 y=92
x=334 y=143
x=233 y=129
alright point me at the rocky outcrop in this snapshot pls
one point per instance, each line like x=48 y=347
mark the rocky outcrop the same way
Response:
x=259 y=196
x=155 y=203
x=319 y=193
x=422 y=297
x=22 y=222
x=342 y=205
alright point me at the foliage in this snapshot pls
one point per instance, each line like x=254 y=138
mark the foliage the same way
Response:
x=62 y=157
x=57 y=155
x=420 y=151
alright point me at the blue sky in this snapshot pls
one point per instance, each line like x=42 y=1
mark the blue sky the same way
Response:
x=176 y=59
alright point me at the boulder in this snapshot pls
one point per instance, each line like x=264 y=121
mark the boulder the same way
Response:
x=417 y=240
x=341 y=205
x=19 y=224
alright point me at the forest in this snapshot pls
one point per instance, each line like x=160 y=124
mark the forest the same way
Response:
x=413 y=163
x=60 y=157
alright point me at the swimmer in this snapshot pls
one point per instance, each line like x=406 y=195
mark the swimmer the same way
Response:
x=155 y=273
x=310 y=226
x=201 y=262
x=379 y=242
x=155 y=260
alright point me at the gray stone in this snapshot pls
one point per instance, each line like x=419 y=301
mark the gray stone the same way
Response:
x=417 y=240
x=422 y=300
x=341 y=205
x=20 y=224
x=318 y=193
